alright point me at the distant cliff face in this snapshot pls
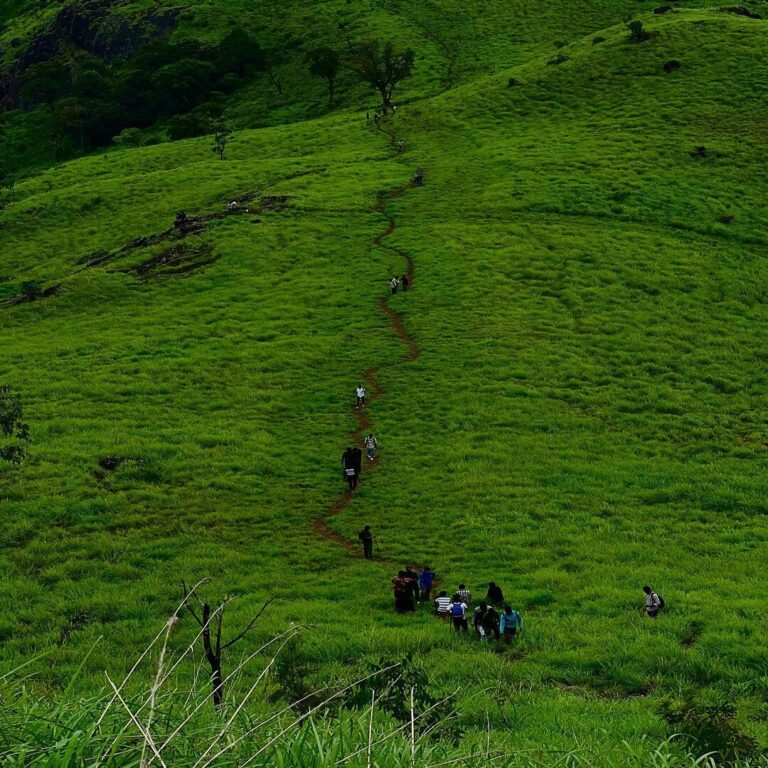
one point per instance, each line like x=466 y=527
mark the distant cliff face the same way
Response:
x=94 y=26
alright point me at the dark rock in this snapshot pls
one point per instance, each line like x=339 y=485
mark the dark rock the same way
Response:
x=740 y=10
x=559 y=59
x=598 y=40
x=671 y=65
x=699 y=152
x=512 y=82
x=662 y=9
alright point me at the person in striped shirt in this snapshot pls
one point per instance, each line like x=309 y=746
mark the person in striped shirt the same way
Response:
x=464 y=595
x=442 y=604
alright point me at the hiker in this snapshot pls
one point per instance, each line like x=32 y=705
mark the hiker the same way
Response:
x=495 y=596
x=350 y=473
x=402 y=592
x=232 y=207
x=457 y=610
x=180 y=220
x=360 y=397
x=370 y=446
x=393 y=283
x=404 y=282
x=367 y=117
x=376 y=118
x=366 y=537
x=413 y=586
x=485 y=620
x=653 y=602
x=442 y=604
x=401 y=146
x=357 y=460
x=509 y=623
x=394 y=110
x=418 y=179
x=347 y=458
x=464 y=594
x=426 y=579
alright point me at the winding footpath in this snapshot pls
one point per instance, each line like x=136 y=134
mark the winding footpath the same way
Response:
x=370 y=377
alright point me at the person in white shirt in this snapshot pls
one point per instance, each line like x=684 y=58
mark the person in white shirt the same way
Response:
x=360 y=397
x=393 y=283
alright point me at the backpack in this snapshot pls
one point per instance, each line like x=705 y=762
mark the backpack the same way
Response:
x=457 y=611
x=661 y=601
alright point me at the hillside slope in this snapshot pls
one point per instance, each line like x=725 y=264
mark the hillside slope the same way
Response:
x=584 y=414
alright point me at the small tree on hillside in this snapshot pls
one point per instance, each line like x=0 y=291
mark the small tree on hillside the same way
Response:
x=637 y=33
x=211 y=623
x=12 y=425
x=221 y=136
x=325 y=62
x=383 y=67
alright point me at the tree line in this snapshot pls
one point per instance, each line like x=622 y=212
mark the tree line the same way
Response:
x=71 y=105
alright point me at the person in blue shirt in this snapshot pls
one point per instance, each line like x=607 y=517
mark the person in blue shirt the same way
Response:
x=509 y=623
x=426 y=579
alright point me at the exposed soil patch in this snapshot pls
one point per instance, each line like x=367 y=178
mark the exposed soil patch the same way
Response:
x=111 y=463
x=30 y=296
x=177 y=260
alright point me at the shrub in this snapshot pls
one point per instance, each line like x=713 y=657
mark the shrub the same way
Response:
x=713 y=726
x=637 y=33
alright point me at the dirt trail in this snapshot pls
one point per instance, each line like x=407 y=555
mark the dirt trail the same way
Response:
x=374 y=388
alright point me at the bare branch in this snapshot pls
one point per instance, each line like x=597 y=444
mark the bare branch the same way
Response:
x=250 y=625
x=187 y=595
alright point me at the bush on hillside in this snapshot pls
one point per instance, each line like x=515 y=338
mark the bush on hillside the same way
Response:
x=713 y=726
x=637 y=33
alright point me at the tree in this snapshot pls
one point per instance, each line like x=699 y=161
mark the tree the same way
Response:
x=12 y=425
x=239 y=54
x=221 y=136
x=212 y=645
x=325 y=62
x=383 y=67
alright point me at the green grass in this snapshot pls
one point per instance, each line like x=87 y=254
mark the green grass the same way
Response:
x=586 y=415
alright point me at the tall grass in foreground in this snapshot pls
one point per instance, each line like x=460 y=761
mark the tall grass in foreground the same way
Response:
x=161 y=723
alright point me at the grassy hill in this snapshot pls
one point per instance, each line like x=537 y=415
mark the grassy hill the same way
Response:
x=569 y=400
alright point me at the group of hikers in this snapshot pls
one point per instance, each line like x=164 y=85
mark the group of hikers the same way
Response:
x=492 y=617
x=352 y=458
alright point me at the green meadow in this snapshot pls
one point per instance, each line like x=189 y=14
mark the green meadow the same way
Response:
x=586 y=414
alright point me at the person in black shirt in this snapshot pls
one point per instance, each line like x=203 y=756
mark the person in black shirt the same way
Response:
x=366 y=537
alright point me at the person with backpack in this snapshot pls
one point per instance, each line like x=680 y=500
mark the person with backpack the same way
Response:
x=495 y=596
x=366 y=537
x=442 y=605
x=509 y=623
x=464 y=594
x=458 y=613
x=350 y=471
x=360 y=397
x=393 y=283
x=653 y=602
x=426 y=579
x=413 y=587
x=370 y=446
